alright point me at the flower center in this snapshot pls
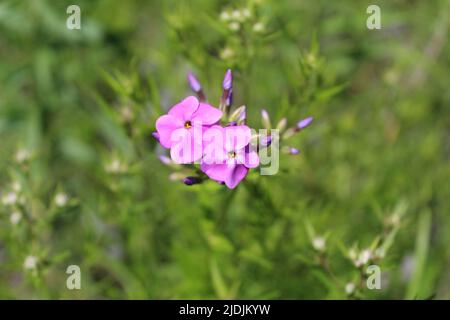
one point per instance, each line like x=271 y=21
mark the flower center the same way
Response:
x=187 y=124
x=231 y=154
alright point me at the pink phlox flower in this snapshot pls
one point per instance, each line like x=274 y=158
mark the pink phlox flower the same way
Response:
x=182 y=128
x=228 y=154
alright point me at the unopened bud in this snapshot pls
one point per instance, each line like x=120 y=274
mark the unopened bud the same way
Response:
x=265 y=119
x=318 y=243
x=196 y=86
x=291 y=151
x=282 y=124
x=265 y=141
x=165 y=159
x=227 y=83
x=302 y=124
x=189 y=181
x=350 y=288
x=239 y=115
x=194 y=83
x=242 y=118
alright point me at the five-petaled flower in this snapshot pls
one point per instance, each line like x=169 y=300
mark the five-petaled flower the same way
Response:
x=181 y=129
x=228 y=154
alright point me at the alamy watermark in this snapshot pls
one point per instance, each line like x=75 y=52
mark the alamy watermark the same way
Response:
x=73 y=281
x=74 y=20
x=374 y=20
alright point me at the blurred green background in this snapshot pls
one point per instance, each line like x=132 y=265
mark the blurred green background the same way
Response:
x=81 y=183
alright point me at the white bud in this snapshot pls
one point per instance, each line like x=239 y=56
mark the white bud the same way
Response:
x=318 y=243
x=234 y=26
x=246 y=13
x=224 y=16
x=61 y=199
x=16 y=186
x=265 y=119
x=22 y=155
x=282 y=124
x=177 y=176
x=15 y=217
x=363 y=257
x=10 y=198
x=30 y=263
x=237 y=15
x=258 y=27
x=116 y=166
x=227 y=53
x=350 y=288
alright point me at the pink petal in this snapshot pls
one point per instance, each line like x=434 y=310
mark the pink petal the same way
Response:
x=186 y=145
x=185 y=109
x=207 y=114
x=238 y=173
x=165 y=125
x=248 y=158
x=213 y=145
x=218 y=172
x=237 y=137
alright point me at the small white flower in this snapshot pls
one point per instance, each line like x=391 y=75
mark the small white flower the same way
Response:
x=363 y=258
x=246 y=13
x=16 y=186
x=237 y=15
x=224 y=16
x=234 y=26
x=350 y=288
x=22 y=155
x=15 y=217
x=318 y=243
x=116 y=166
x=30 y=263
x=61 y=199
x=227 y=53
x=258 y=27
x=10 y=198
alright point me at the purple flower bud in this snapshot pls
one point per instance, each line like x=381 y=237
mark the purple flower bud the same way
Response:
x=237 y=114
x=227 y=95
x=231 y=124
x=265 y=119
x=229 y=99
x=155 y=135
x=265 y=141
x=194 y=83
x=164 y=159
x=302 y=124
x=242 y=117
x=294 y=151
x=227 y=83
x=189 y=181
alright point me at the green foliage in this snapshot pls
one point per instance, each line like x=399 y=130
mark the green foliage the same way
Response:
x=81 y=182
